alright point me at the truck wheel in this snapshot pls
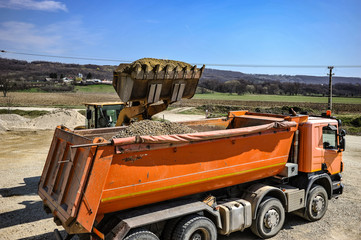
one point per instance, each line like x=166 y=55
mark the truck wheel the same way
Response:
x=317 y=203
x=141 y=234
x=84 y=236
x=169 y=228
x=270 y=218
x=195 y=227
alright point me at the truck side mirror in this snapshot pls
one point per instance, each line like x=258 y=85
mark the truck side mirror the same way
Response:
x=88 y=114
x=342 y=140
x=343 y=133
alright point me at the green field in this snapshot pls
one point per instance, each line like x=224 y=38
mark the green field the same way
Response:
x=232 y=97
x=95 y=88
x=275 y=98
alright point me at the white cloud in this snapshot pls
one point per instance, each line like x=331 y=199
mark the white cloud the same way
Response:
x=25 y=35
x=55 y=38
x=45 y=5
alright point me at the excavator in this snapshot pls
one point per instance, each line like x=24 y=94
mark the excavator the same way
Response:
x=145 y=88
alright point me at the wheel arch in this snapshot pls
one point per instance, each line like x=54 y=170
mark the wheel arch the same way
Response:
x=323 y=180
x=257 y=192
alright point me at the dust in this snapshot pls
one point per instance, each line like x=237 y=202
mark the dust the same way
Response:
x=153 y=128
x=69 y=118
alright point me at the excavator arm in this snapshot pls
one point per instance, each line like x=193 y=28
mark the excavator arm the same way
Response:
x=149 y=85
x=145 y=87
x=139 y=112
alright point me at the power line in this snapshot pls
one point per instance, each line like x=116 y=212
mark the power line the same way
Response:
x=207 y=64
x=68 y=57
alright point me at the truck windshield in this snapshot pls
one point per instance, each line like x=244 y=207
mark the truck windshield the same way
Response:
x=329 y=138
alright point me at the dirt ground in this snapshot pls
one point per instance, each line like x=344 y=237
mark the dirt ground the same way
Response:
x=22 y=156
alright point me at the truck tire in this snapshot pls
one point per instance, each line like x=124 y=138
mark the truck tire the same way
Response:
x=84 y=236
x=195 y=227
x=270 y=218
x=169 y=228
x=317 y=203
x=141 y=234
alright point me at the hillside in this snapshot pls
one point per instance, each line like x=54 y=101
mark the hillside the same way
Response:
x=223 y=76
x=36 y=70
x=39 y=70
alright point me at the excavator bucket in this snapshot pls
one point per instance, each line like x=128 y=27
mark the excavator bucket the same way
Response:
x=151 y=80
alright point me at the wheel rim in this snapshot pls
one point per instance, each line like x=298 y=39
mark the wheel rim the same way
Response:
x=318 y=205
x=271 y=219
x=200 y=234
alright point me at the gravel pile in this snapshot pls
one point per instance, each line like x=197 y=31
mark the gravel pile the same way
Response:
x=12 y=122
x=67 y=117
x=153 y=128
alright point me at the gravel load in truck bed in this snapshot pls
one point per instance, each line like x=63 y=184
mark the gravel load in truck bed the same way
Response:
x=153 y=128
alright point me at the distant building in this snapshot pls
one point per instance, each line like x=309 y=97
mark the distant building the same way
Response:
x=108 y=82
x=67 y=80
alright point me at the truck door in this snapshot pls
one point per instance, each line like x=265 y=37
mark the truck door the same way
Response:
x=331 y=155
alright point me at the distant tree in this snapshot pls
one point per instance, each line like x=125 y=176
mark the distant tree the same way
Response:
x=250 y=89
x=89 y=76
x=61 y=76
x=53 y=75
x=274 y=88
x=5 y=85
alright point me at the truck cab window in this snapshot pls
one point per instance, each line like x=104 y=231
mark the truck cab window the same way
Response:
x=329 y=137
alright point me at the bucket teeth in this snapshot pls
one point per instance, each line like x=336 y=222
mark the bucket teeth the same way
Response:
x=163 y=70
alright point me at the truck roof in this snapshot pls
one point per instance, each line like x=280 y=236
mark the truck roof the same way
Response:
x=317 y=120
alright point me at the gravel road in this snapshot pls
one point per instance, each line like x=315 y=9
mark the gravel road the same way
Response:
x=22 y=157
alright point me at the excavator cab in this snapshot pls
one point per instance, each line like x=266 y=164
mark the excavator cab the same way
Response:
x=100 y=115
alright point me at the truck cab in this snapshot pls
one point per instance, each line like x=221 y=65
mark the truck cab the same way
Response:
x=321 y=146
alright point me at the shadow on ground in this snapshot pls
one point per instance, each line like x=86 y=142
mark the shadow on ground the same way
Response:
x=49 y=235
x=29 y=187
x=33 y=210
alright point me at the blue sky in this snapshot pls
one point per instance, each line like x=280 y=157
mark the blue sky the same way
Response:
x=260 y=32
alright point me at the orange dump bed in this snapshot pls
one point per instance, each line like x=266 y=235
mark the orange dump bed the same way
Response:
x=86 y=176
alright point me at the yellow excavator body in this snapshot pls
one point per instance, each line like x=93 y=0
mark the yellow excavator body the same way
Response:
x=145 y=88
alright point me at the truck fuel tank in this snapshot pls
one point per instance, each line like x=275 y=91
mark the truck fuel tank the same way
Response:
x=236 y=215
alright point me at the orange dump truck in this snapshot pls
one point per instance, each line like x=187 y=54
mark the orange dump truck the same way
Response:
x=244 y=170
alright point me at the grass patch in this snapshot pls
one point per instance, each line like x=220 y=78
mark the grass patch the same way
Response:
x=100 y=88
x=193 y=111
x=68 y=106
x=275 y=98
x=351 y=123
x=82 y=112
x=28 y=114
x=32 y=90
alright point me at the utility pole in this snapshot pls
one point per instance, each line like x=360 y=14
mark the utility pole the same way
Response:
x=330 y=88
